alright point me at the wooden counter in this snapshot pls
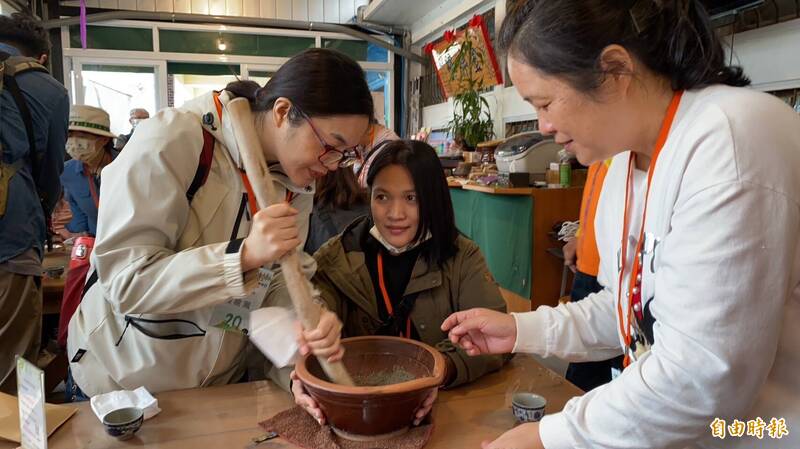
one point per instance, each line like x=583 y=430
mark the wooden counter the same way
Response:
x=454 y=184
x=228 y=416
x=500 y=190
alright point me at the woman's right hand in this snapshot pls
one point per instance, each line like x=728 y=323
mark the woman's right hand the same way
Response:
x=273 y=234
x=482 y=331
x=302 y=399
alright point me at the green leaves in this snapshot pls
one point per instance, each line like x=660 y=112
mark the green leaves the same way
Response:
x=472 y=120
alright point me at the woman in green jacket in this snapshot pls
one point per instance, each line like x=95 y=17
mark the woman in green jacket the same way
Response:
x=405 y=268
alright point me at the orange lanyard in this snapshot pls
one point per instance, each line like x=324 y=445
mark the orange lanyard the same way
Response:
x=386 y=300
x=251 y=197
x=218 y=105
x=635 y=282
x=92 y=188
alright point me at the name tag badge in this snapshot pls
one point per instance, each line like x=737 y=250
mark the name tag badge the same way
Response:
x=265 y=277
x=233 y=316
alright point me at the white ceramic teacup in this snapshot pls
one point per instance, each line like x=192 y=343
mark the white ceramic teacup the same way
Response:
x=528 y=407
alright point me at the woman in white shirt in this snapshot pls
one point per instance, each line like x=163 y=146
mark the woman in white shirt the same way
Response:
x=707 y=315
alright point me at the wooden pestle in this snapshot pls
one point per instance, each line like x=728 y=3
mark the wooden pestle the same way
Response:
x=258 y=173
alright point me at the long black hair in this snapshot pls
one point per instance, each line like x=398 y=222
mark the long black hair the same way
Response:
x=673 y=38
x=320 y=82
x=339 y=189
x=433 y=196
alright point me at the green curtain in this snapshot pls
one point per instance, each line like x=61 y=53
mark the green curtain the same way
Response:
x=501 y=226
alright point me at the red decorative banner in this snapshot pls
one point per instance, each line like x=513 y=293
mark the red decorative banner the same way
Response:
x=485 y=70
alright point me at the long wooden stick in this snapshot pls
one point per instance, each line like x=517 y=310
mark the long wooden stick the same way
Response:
x=258 y=173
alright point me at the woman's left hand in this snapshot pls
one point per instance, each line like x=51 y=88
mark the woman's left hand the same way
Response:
x=426 y=406
x=325 y=339
x=524 y=436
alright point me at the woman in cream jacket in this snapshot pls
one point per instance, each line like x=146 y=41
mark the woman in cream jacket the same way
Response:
x=167 y=269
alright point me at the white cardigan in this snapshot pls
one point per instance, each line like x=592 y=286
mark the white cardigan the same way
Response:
x=725 y=210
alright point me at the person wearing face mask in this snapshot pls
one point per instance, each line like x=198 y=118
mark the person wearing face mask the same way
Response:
x=699 y=235
x=402 y=270
x=136 y=117
x=90 y=146
x=183 y=254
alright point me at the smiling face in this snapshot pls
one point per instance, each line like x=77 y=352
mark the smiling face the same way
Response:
x=298 y=148
x=394 y=206
x=592 y=127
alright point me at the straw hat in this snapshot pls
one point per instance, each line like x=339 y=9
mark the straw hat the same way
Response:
x=91 y=120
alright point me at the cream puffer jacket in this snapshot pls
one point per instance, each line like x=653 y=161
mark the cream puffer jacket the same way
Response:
x=164 y=263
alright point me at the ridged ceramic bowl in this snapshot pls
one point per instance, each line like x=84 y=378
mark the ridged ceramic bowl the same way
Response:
x=374 y=412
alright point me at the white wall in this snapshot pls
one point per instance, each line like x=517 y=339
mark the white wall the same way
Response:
x=331 y=11
x=770 y=56
x=504 y=102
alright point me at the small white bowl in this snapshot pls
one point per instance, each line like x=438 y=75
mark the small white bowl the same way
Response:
x=124 y=422
x=528 y=407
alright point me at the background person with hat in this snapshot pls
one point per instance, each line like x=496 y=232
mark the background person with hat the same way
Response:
x=90 y=144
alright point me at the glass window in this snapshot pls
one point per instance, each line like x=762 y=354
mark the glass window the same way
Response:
x=378 y=82
x=112 y=38
x=186 y=81
x=358 y=50
x=207 y=42
x=117 y=89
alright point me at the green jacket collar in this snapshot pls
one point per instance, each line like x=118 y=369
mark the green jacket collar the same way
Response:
x=342 y=260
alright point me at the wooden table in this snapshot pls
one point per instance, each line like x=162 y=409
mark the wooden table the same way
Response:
x=53 y=289
x=228 y=416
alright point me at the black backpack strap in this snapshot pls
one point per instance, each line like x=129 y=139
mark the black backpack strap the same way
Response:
x=89 y=283
x=24 y=112
x=203 y=167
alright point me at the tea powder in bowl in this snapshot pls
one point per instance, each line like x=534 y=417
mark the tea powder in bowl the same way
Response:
x=393 y=376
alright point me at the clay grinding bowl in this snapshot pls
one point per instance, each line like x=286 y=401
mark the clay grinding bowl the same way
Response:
x=373 y=412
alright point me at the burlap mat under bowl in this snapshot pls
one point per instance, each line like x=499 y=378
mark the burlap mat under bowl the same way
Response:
x=298 y=427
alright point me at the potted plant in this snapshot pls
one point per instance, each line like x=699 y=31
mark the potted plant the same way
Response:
x=472 y=119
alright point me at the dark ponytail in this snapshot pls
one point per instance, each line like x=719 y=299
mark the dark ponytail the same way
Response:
x=244 y=88
x=320 y=82
x=673 y=38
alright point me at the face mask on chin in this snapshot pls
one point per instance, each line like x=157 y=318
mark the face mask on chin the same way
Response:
x=393 y=249
x=87 y=150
